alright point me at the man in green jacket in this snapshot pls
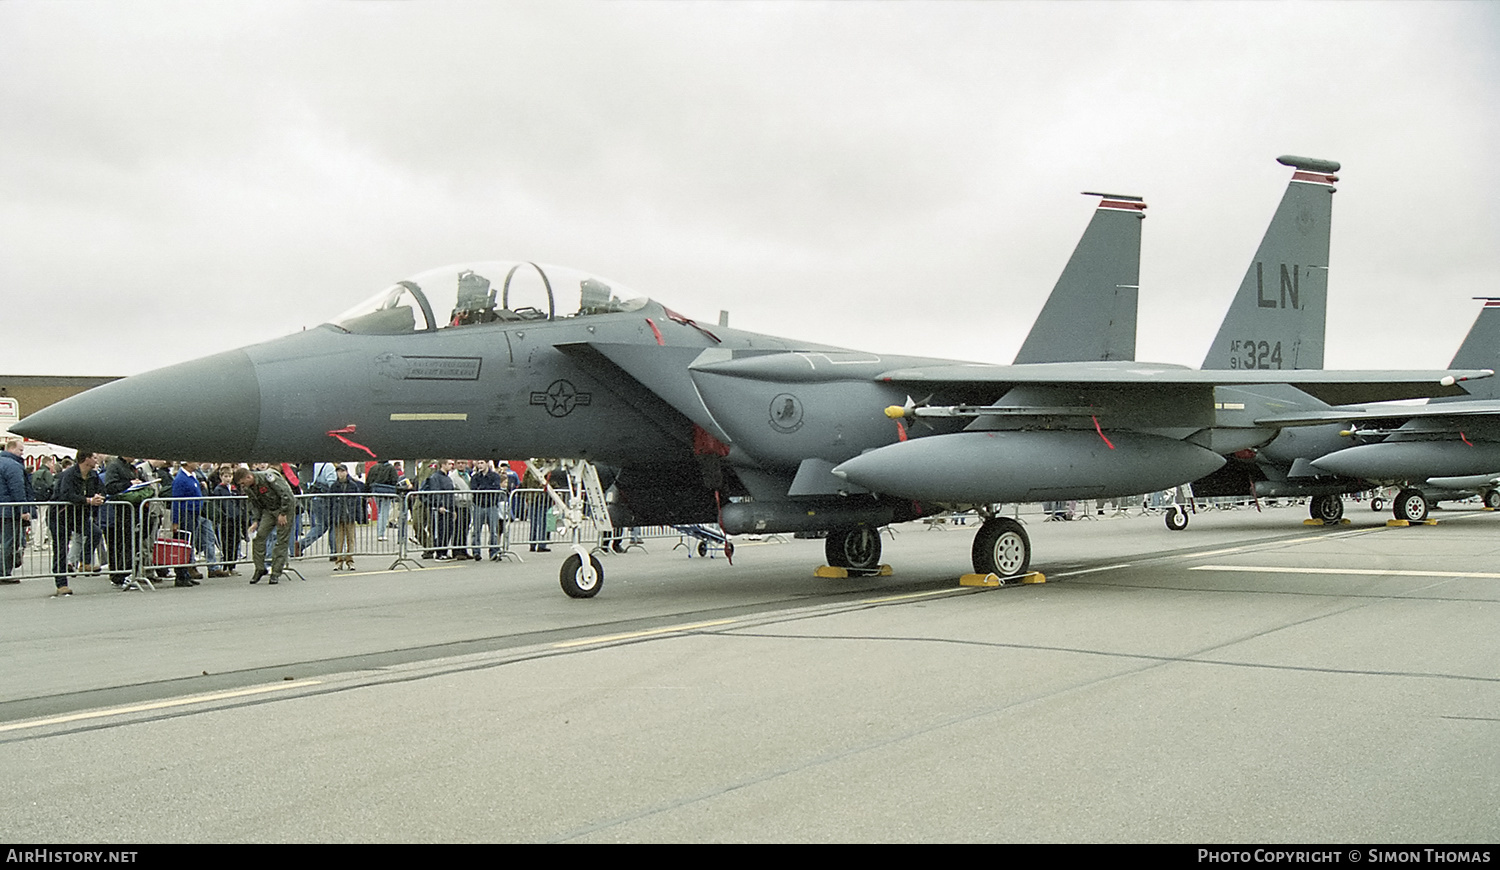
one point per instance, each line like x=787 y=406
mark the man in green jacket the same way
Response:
x=272 y=506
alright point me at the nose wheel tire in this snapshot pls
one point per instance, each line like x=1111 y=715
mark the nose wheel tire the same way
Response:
x=580 y=580
x=1177 y=518
x=857 y=549
x=1411 y=506
x=1001 y=548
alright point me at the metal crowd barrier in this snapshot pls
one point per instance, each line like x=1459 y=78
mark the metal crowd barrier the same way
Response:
x=536 y=524
x=167 y=535
x=340 y=526
x=26 y=550
x=134 y=544
x=109 y=539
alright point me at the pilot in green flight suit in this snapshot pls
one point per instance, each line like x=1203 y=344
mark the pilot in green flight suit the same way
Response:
x=269 y=496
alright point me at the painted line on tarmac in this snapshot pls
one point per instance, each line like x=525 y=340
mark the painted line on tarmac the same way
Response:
x=1208 y=553
x=1092 y=570
x=159 y=705
x=910 y=595
x=647 y=633
x=1363 y=572
x=694 y=626
x=1313 y=539
x=1261 y=545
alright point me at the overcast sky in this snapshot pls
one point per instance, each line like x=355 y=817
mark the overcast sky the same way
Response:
x=180 y=178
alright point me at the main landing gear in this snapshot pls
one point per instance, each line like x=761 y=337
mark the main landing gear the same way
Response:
x=1411 y=505
x=1001 y=548
x=857 y=549
x=1328 y=508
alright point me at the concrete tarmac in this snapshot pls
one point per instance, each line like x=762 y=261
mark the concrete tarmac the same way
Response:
x=1249 y=680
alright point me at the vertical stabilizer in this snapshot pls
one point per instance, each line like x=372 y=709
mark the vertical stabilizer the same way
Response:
x=1480 y=350
x=1090 y=315
x=1279 y=315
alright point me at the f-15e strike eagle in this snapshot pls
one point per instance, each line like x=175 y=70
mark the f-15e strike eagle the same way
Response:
x=714 y=424
x=1447 y=448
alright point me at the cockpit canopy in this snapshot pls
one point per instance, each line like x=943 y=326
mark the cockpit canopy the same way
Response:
x=487 y=292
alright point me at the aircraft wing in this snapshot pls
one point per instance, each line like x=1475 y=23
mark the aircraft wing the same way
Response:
x=1334 y=387
x=1371 y=413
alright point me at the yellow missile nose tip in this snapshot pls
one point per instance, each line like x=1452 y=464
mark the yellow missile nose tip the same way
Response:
x=895 y=412
x=1345 y=433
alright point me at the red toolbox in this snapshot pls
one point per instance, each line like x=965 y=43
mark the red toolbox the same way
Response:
x=173 y=551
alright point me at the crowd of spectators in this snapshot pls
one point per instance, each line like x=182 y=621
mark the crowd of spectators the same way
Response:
x=88 y=508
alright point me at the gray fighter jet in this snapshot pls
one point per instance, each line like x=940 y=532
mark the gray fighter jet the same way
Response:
x=1277 y=319
x=757 y=432
x=1435 y=451
x=1444 y=449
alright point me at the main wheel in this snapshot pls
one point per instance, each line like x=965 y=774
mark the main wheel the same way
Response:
x=1177 y=518
x=857 y=548
x=1328 y=508
x=1411 y=505
x=1492 y=499
x=579 y=580
x=1001 y=548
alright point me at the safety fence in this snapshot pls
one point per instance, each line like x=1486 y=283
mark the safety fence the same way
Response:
x=143 y=542
x=139 y=543
x=457 y=524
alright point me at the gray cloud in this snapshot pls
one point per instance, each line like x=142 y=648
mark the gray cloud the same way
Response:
x=892 y=176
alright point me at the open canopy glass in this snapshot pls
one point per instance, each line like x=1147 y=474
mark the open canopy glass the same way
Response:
x=465 y=294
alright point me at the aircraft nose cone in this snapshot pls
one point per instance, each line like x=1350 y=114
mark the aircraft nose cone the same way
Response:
x=204 y=409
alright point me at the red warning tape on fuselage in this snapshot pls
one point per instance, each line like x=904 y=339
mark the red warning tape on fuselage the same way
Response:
x=349 y=430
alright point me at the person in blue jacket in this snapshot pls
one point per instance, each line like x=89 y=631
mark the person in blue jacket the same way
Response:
x=187 y=510
x=15 y=507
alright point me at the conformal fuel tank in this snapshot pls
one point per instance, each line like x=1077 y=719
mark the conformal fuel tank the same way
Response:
x=1028 y=466
x=1412 y=460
